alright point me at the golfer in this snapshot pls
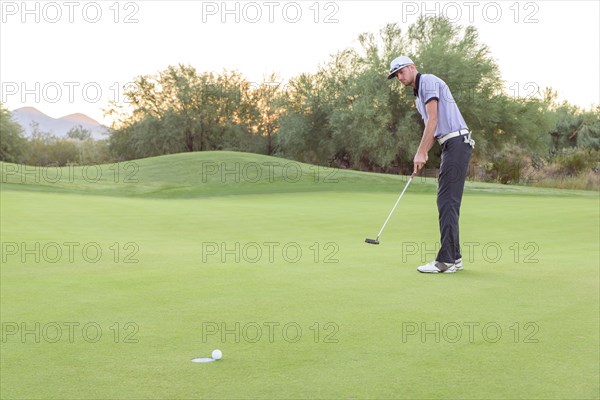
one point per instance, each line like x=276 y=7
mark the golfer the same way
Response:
x=444 y=123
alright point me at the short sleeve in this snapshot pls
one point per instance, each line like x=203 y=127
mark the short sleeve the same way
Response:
x=430 y=88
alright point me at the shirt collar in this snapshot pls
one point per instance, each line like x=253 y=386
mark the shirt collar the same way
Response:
x=418 y=81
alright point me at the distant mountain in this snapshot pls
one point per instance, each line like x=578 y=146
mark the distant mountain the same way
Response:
x=59 y=127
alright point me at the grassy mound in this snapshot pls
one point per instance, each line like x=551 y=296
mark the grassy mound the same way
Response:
x=220 y=173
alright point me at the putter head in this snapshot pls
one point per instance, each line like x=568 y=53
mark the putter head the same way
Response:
x=372 y=241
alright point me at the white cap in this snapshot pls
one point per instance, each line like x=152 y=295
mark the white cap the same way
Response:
x=398 y=64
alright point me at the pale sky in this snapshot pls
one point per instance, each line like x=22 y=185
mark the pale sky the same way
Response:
x=64 y=57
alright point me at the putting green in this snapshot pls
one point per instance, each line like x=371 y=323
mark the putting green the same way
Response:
x=114 y=278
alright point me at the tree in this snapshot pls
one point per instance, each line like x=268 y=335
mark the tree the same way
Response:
x=372 y=122
x=268 y=101
x=305 y=133
x=457 y=56
x=43 y=149
x=588 y=134
x=575 y=127
x=80 y=133
x=180 y=110
x=360 y=118
x=12 y=142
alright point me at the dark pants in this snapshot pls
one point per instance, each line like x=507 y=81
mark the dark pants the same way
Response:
x=453 y=172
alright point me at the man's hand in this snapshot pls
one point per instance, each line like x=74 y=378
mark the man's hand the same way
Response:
x=419 y=161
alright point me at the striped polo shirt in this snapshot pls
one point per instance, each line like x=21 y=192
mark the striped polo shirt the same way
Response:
x=430 y=87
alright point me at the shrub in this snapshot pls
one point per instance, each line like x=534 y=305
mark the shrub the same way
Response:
x=575 y=160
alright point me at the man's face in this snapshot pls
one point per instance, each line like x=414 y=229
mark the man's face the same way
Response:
x=406 y=75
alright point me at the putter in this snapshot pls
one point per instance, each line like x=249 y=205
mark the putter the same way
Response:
x=376 y=241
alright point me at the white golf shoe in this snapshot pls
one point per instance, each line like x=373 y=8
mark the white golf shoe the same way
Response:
x=437 y=267
x=458 y=264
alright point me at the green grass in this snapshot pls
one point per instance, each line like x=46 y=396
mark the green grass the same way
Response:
x=175 y=275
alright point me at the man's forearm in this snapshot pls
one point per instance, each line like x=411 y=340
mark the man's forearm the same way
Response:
x=426 y=143
x=427 y=140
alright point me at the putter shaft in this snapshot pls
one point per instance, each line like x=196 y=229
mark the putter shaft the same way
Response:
x=395 y=205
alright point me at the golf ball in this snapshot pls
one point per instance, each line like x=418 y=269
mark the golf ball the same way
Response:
x=217 y=355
